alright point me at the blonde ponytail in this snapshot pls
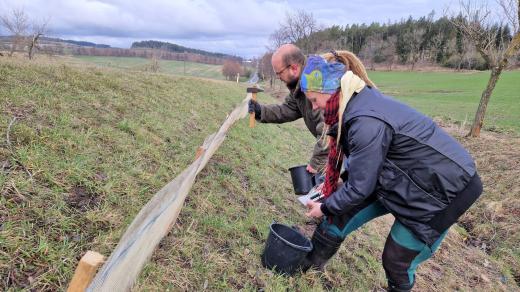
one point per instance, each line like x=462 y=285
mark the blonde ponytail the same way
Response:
x=352 y=63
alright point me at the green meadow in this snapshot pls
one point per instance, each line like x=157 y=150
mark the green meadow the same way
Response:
x=448 y=95
x=165 y=66
x=456 y=96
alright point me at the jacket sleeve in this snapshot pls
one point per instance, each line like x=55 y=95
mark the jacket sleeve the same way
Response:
x=320 y=154
x=368 y=142
x=288 y=111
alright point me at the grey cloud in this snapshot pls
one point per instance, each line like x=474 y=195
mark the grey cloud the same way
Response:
x=228 y=26
x=158 y=18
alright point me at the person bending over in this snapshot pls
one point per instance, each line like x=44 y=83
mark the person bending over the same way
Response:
x=400 y=162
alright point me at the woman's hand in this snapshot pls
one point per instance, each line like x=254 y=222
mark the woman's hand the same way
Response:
x=319 y=188
x=314 y=209
x=311 y=169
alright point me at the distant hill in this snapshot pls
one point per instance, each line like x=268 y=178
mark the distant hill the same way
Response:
x=78 y=43
x=47 y=40
x=144 y=49
x=177 y=49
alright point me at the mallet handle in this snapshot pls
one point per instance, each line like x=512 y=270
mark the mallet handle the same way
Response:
x=252 y=115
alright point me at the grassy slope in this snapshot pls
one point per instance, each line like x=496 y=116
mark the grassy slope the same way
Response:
x=456 y=95
x=99 y=143
x=166 y=66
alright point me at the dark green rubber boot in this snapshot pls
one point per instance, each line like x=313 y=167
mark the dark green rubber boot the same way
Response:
x=324 y=246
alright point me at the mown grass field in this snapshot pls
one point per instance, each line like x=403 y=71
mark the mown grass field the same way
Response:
x=456 y=96
x=450 y=95
x=84 y=148
x=165 y=66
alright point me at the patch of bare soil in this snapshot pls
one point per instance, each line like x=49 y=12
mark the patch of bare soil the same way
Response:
x=82 y=199
x=20 y=112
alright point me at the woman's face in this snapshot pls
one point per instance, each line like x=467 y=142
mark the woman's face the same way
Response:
x=318 y=99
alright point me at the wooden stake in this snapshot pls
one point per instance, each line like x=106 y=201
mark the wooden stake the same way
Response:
x=85 y=271
x=152 y=224
x=199 y=152
x=252 y=115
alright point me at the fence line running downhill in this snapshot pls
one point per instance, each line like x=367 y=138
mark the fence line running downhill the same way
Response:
x=157 y=217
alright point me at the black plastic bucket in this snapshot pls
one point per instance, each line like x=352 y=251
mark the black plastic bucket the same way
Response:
x=285 y=249
x=302 y=180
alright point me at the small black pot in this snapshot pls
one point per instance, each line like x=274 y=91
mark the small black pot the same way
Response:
x=285 y=249
x=302 y=180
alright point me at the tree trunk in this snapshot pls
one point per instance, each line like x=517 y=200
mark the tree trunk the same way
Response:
x=31 y=46
x=511 y=50
x=481 y=112
x=34 y=44
x=459 y=66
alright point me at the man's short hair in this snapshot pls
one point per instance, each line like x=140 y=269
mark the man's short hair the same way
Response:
x=295 y=56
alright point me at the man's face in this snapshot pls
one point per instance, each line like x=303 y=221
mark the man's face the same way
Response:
x=288 y=73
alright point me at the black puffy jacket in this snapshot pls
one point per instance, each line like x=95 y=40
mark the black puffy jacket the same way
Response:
x=415 y=168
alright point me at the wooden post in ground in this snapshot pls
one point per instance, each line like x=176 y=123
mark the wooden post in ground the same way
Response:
x=252 y=115
x=85 y=271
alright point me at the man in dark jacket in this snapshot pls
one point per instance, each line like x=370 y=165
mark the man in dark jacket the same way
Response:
x=287 y=62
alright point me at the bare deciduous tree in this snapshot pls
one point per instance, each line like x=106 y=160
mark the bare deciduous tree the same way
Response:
x=477 y=24
x=415 y=38
x=370 y=50
x=154 y=65
x=511 y=12
x=16 y=23
x=296 y=28
x=388 y=51
x=265 y=69
x=38 y=30
x=277 y=38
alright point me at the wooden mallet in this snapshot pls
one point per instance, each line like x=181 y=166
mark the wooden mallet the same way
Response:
x=253 y=90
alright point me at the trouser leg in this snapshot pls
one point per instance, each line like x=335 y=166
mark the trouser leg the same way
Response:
x=402 y=254
x=329 y=235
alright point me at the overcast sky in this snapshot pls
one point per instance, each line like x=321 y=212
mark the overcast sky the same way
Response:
x=239 y=27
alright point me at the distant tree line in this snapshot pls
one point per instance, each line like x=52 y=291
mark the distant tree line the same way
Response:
x=426 y=41
x=165 y=46
x=144 y=53
x=78 y=43
x=412 y=41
